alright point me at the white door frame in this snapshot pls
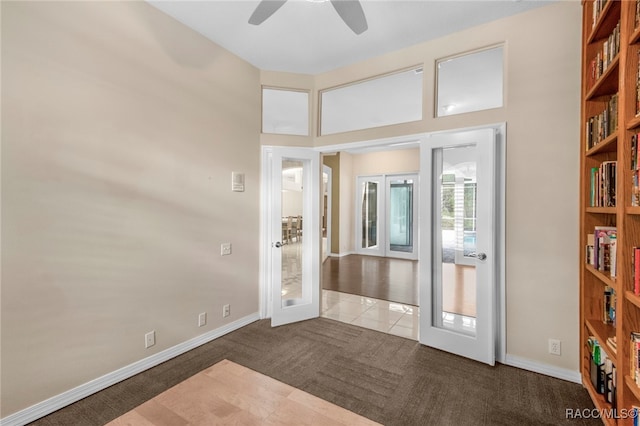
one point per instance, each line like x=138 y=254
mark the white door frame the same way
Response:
x=265 y=296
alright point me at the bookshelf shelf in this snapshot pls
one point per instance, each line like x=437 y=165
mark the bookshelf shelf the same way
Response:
x=631 y=297
x=632 y=210
x=631 y=384
x=635 y=36
x=598 y=401
x=608 y=81
x=601 y=210
x=633 y=123
x=602 y=332
x=605 y=278
x=610 y=144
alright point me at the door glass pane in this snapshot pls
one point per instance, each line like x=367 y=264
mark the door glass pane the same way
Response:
x=292 y=216
x=455 y=242
x=401 y=215
x=369 y=214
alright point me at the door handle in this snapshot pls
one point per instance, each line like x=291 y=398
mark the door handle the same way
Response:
x=479 y=256
x=278 y=244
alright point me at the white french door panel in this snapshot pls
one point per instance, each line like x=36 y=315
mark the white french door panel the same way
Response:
x=370 y=215
x=293 y=210
x=458 y=181
x=401 y=213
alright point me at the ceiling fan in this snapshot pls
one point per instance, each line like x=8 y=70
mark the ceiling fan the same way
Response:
x=349 y=10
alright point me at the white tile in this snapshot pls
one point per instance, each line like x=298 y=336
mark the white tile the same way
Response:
x=371 y=323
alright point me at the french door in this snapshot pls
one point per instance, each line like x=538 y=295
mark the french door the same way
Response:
x=386 y=215
x=293 y=209
x=457 y=261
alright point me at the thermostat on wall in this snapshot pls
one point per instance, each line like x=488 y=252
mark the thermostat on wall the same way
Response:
x=237 y=182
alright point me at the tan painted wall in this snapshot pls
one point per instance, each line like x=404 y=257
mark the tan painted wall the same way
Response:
x=333 y=161
x=386 y=162
x=120 y=129
x=542 y=101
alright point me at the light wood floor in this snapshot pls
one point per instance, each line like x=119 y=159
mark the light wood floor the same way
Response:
x=230 y=394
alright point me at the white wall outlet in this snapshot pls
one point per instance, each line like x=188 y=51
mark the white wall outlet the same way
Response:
x=150 y=339
x=202 y=319
x=554 y=347
x=225 y=249
x=226 y=311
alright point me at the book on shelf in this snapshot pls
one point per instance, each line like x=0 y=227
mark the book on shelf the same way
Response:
x=638 y=86
x=602 y=247
x=603 y=188
x=600 y=126
x=613 y=344
x=635 y=269
x=589 y=250
x=600 y=366
x=635 y=357
x=609 y=306
x=635 y=170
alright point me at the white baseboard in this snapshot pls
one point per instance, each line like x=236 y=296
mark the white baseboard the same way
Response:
x=546 y=369
x=57 y=402
x=341 y=254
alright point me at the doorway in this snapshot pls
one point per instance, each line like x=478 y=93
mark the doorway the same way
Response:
x=386 y=215
x=467 y=255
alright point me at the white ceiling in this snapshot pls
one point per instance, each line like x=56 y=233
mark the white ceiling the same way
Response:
x=310 y=38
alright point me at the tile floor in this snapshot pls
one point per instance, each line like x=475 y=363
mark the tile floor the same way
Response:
x=388 y=317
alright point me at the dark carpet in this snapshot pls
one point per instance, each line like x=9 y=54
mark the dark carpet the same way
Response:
x=388 y=379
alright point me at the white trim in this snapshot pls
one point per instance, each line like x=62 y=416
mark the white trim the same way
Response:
x=541 y=368
x=347 y=253
x=57 y=402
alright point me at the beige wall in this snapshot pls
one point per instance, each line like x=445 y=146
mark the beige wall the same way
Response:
x=542 y=55
x=386 y=162
x=333 y=161
x=120 y=129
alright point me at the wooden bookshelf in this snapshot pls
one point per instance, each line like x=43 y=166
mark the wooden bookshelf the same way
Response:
x=610 y=79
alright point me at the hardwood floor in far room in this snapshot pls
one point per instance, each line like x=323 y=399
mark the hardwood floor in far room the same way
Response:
x=395 y=280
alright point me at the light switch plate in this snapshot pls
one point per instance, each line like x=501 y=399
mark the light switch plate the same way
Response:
x=237 y=182
x=225 y=249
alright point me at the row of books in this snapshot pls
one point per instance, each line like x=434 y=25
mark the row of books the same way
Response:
x=601 y=250
x=638 y=87
x=610 y=49
x=600 y=126
x=598 y=6
x=603 y=371
x=602 y=183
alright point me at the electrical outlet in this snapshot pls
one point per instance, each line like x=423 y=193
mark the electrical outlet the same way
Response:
x=225 y=249
x=554 y=346
x=202 y=319
x=226 y=311
x=150 y=339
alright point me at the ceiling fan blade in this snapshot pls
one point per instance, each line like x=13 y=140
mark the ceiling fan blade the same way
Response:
x=352 y=14
x=265 y=9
